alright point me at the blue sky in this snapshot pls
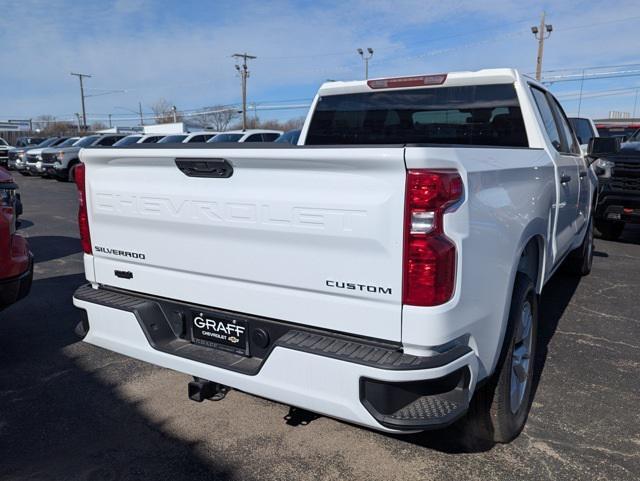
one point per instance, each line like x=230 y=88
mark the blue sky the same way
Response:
x=180 y=51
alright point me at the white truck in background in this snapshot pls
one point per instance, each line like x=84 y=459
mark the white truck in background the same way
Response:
x=386 y=271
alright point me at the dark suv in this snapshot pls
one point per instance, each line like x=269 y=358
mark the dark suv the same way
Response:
x=619 y=189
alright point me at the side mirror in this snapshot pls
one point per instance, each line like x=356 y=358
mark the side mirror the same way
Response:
x=603 y=146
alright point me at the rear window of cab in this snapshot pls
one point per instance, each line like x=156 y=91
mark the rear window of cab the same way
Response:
x=476 y=115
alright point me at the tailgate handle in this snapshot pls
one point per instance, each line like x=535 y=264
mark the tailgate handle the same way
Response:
x=211 y=168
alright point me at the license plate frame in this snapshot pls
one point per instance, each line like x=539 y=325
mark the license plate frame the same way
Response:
x=220 y=331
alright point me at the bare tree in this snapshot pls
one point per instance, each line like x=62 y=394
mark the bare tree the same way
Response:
x=97 y=126
x=48 y=125
x=216 y=118
x=293 y=124
x=42 y=122
x=163 y=112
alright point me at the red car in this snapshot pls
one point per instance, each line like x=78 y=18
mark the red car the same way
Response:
x=16 y=261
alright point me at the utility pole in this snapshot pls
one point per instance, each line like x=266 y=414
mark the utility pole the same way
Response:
x=110 y=121
x=366 y=58
x=244 y=74
x=541 y=34
x=84 y=113
x=140 y=110
x=174 y=111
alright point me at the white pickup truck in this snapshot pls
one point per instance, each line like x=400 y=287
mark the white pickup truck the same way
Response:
x=386 y=271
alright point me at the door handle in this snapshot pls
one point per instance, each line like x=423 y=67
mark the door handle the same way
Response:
x=565 y=179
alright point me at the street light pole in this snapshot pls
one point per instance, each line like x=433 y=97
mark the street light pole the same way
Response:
x=78 y=118
x=84 y=113
x=366 y=58
x=140 y=110
x=243 y=70
x=541 y=34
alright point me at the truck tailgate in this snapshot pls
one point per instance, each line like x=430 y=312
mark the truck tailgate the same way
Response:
x=305 y=235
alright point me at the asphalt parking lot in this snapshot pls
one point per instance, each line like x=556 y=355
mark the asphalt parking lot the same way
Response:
x=69 y=410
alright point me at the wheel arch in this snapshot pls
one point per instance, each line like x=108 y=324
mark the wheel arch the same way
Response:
x=529 y=259
x=531 y=255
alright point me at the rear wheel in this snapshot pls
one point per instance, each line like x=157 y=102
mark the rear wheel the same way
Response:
x=610 y=230
x=500 y=408
x=580 y=260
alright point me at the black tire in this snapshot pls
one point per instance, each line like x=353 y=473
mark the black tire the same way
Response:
x=609 y=230
x=491 y=416
x=580 y=260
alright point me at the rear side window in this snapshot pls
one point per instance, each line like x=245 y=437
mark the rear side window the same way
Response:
x=570 y=144
x=270 y=137
x=198 y=138
x=481 y=115
x=547 y=117
x=254 y=138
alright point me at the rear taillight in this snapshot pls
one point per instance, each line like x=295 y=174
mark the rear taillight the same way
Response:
x=83 y=216
x=429 y=256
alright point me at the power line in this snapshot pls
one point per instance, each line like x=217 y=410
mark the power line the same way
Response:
x=598 y=93
x=591 y=67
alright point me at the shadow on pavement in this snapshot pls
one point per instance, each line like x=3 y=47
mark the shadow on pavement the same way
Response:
x=49 y=247
x=630 y=235
x=60 y=421
x=553 y=302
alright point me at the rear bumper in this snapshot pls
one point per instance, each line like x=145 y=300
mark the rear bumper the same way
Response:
x=362 y=381
x=16 y=288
